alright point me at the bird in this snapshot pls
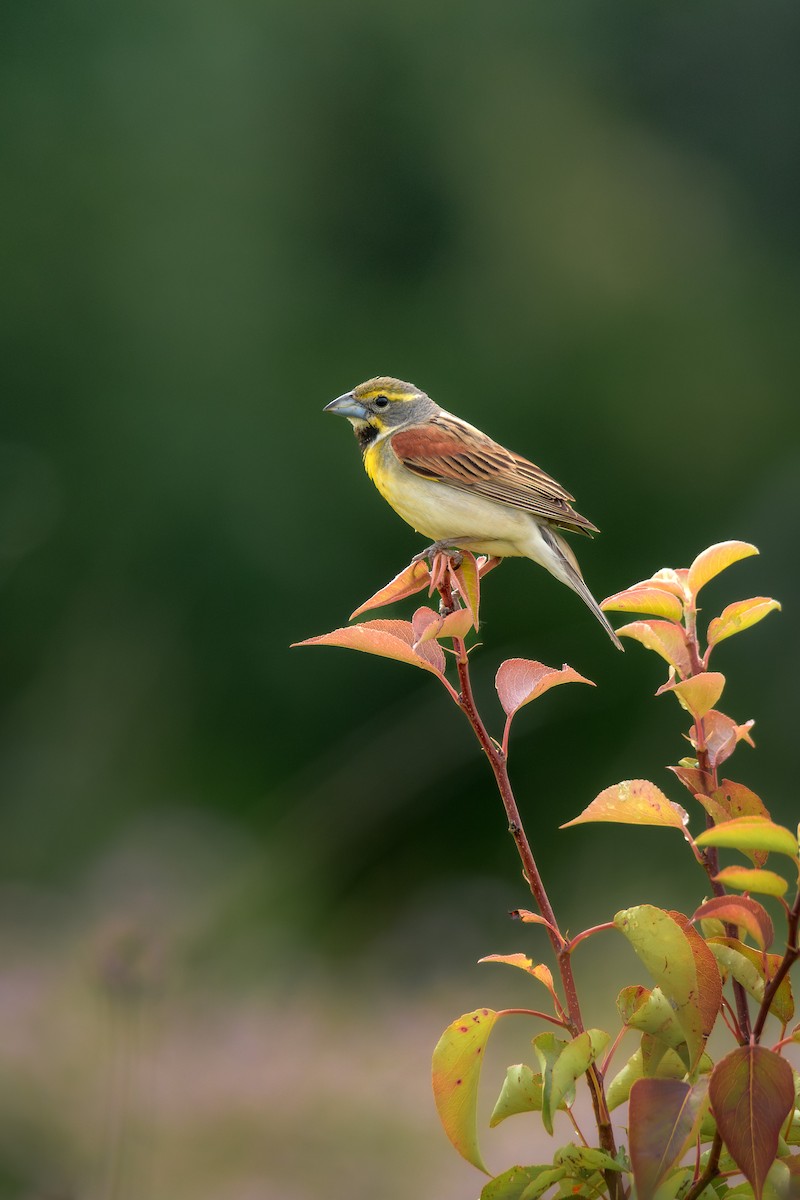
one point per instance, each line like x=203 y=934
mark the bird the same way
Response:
x=454 y=484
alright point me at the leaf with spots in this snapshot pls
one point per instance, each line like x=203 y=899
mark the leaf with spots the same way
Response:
x=752 y=1093
x=457 y=1062
x=633 y=802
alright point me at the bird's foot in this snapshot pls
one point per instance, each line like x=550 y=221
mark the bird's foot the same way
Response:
x=449 y=548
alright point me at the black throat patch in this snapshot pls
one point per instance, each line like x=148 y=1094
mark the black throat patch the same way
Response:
x=365 y=436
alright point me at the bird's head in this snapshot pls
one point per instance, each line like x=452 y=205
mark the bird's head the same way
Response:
x=382 y=405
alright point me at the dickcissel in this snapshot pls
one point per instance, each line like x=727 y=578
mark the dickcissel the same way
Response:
x=455 y=485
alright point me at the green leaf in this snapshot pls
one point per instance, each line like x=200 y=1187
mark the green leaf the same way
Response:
x=651 y=1012
x=750 y=879
x=633 y=802
x=521 y=1092
x=740 y=616
x=752 y=1093
x=751 y=833
x=580 y=1159
x=665 y=949
x=520 y=680
x=753 y=969
x=671 y=1066
x=544 y=1181
x=576 y=1058
x=387 y=639
x=662 y=1120
x=742 y=911
x=664 y=638
x=412 y=579
x=548 y=1050
x=457 y=1062
x=512 y=1184
x=699 y=694
x=716 y=559
x=645 y=599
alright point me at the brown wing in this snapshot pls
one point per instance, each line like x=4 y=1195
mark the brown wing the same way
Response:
x=449 y=451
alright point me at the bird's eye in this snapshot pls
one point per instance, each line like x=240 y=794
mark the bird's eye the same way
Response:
x=381 y=401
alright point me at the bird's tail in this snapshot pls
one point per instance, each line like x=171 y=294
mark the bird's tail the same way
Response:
x=569 y=572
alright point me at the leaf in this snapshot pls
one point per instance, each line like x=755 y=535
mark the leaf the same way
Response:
x=742 y=911
x=714 y=560
x=520 y=680
x=721 y=736
x=752 y=1093
x=457 y=1062
x=512 y=1184
x=698 y=694
x=543 y=1182
x=651 y=1012
x=751 y=833
x=709 y=984
x=412 y=579
x=429 y=624
x=753 y=970
x=671 y=1066
x=664 y=948
x=468 y=583
x=664 y=638
x=740 y=616
x=633 y=802
x=521 y=1092
x=691 y=777
x=750 y=879
x=739 y=800
x=548 y=1050
x=643 y=599
x=663 y=1118
x=387 y=639
x=579 y=1159
x=538 y=970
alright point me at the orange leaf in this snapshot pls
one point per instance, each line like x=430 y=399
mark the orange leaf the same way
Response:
x=387 y=639
x=633 y=802
x=715 y=559
x=709 y=983
x=665 y=638
x=412 y=579
x=429 y=624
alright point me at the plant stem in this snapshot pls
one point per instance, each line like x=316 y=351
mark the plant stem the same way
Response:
x=711 y=1171
x=789 y=959
x=498 y=763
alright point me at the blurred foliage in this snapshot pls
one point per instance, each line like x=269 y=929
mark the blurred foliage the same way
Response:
x=573 y=224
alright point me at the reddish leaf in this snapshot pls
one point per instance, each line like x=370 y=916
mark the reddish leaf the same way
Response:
x=467 y=578
x=387 y=639
x=646 y=600
x=721 y=736
x=740 y=616
x=752 y=1093
x=412 y=579
x=691 y=777
x=663 y=1117
x=742 y=911
x=457 y=1062
x=633 y=802
x=698 y=694
x=665 y=638
x=739 y=800
x=716 y=559
x=520 y=680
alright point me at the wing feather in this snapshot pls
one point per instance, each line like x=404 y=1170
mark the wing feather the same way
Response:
x=448 y=450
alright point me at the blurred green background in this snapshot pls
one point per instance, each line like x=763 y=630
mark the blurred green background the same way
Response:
x=243 y=888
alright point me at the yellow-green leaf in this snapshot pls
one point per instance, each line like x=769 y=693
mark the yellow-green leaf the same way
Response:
x=665 y=949
x=751 y=833
x=654 y=601
x=739 y=616
x=457 y=1062
x=753 y=970
x=750 y=879
x=715 y=559
x=633 y=802
x=699 y=694
x=521 y=1092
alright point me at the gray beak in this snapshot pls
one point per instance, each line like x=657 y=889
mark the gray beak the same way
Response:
x=347 y=406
